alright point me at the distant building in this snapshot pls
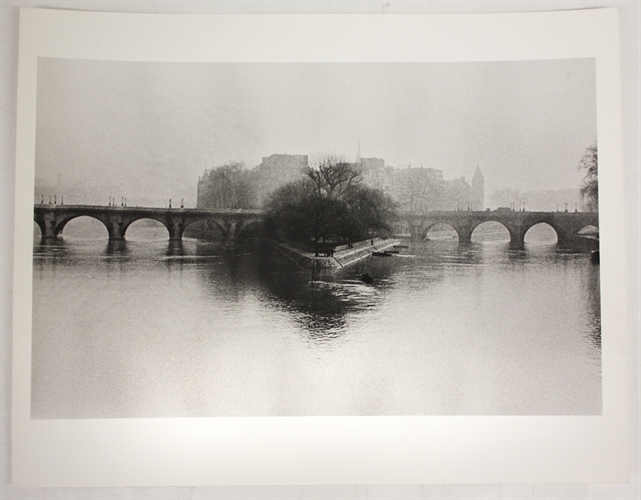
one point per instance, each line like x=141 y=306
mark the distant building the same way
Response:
x=421 y=189
x=418 y=190
x=275 y=171
x=456 y=195
x=371 y=164
x=415 y=190
x=375 y=174
x=477 y=197
x=233 y=186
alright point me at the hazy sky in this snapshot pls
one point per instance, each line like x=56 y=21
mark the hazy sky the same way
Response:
x=152 y=128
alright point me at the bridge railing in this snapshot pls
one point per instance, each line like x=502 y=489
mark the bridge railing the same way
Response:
x=133 y=208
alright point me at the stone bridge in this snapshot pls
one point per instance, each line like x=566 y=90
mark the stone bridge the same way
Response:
x=566 y=224
x=53 y=218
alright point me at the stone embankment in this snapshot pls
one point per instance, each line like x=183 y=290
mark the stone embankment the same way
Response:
x=344 y=255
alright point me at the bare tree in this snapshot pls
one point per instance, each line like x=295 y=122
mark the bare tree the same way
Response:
x=334 y=176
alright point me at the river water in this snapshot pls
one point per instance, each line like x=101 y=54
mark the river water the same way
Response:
x=148 y=328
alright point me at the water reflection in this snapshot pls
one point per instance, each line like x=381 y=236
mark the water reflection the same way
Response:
x=317 y=307
x=116 y=248
x=232 y=272
x=593 y=303
x=50 y=251
x=50 y=247
x=229 y=270
x=207 y=329
x=321 y=302
x=175 y=248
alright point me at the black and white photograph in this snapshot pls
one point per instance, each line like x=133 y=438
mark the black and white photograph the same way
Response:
x=315 y=239
x=288 y=249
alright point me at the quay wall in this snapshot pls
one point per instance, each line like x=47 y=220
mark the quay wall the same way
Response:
x=342 y=257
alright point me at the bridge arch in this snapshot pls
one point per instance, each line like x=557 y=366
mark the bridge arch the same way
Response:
x=205 y=229
x=125 y=223
x=589 y=236
x=250 y=229
x=440 y=231
x=492 y=230
x=150 y=223
x=40 y=224
x=538 y=219
x=589 y=229
x=61 y=224
x=541 y=232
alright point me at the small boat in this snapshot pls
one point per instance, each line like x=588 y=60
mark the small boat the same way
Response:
x=366 y=278
x=381 y=254
x=401 y=246
x=392 y=251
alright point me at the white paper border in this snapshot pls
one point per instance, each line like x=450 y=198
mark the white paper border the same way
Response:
x=323 y=450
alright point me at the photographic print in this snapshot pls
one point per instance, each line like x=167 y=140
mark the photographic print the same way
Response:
x=318 y=249
x=315 y=239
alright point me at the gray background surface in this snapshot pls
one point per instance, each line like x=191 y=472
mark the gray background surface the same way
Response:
x=630 y=21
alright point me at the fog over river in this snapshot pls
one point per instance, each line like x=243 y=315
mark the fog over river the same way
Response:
x=149 y=328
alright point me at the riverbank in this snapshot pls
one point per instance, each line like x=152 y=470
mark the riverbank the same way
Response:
x=343 y=255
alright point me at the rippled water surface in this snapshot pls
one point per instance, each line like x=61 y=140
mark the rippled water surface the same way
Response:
x=148 y=328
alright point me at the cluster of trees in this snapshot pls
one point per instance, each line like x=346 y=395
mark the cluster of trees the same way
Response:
x=330 y=204
x=228 y=186
x=590 y=189
x=418 y=189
